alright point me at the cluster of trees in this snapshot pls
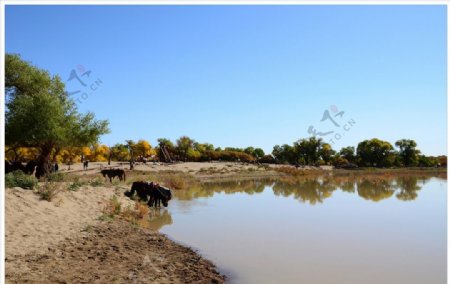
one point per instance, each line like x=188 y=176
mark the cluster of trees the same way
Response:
x=369 y=153
x=308 y=151
x=187 y=149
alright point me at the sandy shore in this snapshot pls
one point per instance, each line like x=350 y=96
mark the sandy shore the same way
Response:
x=63 y=241
x=188 y=167
x=200 y=170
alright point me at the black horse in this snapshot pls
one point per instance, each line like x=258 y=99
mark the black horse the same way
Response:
x=85 y=165
x=18 y=166
x=112 y=173
x=159 y=194
x=141 y=188
x=151 y=192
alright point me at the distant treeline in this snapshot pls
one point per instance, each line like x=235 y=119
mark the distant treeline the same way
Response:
x=310 y=151
x=42 y=123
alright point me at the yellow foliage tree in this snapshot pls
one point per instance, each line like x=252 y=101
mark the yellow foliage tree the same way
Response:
x=70 y=155
x=86 y=152
x=23 y=154
x=99 y=153
x=144 y=148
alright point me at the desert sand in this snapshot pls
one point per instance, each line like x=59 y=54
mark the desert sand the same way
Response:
x=63 y=241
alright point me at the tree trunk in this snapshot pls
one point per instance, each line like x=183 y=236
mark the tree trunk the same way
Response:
x=43 y=162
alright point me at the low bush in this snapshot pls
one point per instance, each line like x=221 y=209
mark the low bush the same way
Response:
x=20 y=179
x=112 y=207
x=48 y=190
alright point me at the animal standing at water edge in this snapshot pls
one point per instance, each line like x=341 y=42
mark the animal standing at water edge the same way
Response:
x=112 y=173
x=154 y=193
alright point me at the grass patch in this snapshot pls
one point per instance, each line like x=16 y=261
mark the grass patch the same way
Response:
x=56 y=177
x=20 y=179
x=96 y=182
x=76 y=184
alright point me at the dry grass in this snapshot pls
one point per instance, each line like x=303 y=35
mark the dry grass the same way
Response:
x=113 y=208
x=48 y=190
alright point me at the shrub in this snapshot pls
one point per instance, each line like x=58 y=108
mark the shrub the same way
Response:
x=112 y=207
x=20 y=179
x=48 y=191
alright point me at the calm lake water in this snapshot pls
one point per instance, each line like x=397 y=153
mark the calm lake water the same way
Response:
x=319 y=230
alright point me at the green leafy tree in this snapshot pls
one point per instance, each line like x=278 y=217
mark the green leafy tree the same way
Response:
x=184 y=144
x=348 y=153
x=425 y=161
x=308 y=150
x=284 y=154
x=168 y=145
x=326 y=153
x=408 y=152
x=250 y=150
x=255 y=152
x=258 y=153
x=40 y=113
x=375 y=153
x=120 y=152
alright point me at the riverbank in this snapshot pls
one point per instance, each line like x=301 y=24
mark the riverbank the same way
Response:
x=66 y=240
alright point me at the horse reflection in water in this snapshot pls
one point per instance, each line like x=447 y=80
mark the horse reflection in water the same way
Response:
x=158 y=218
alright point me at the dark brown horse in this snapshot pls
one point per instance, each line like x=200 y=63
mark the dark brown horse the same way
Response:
x=112 y=173
x=159 y=194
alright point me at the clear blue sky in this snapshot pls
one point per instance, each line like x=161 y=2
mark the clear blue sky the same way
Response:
x=248 y=75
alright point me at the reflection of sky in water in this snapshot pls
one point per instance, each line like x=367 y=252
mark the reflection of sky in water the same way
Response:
x=263 y=238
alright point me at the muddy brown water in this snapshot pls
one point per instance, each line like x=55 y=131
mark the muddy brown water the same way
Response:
x=318 y=230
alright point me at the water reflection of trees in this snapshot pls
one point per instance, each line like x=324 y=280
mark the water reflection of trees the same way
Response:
x=315 y=190
x=408 y=188
x=375 y=190
x=229 y=187
x=311 y=190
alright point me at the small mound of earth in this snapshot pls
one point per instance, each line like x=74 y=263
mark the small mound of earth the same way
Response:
x=113 y=252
